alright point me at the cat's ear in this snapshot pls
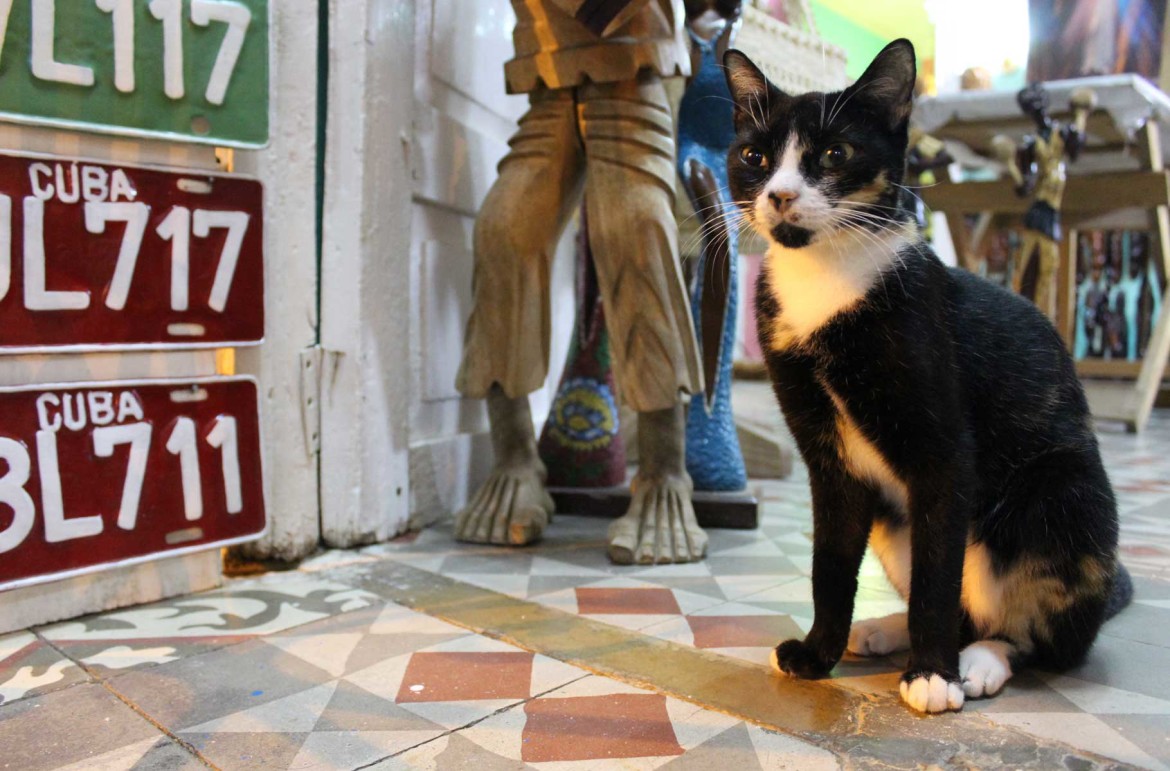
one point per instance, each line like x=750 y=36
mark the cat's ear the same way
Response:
x=888 y=82
x=748 y=86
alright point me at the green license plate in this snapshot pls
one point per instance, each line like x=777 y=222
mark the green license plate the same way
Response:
x=194 y=70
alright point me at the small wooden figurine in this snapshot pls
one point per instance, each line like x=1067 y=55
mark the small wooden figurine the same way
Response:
x=1038 y=169
x=599 y=119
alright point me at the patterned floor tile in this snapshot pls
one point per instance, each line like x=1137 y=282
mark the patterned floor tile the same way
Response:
x=1147 y=732
x=757 y=589
x=82 y=725
x=600 y=723
x=1081 y=730
x=342 y=692
x=147 y=755
x=593 y=601
x=30 y=667
x=741 y=631
x=620 y=725
x=196 y=624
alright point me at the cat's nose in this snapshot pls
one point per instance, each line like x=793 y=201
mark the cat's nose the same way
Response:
x=782 y=200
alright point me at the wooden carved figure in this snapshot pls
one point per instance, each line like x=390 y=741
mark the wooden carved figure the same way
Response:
x=599 y=118
x=1038 y=169
x=705 y=131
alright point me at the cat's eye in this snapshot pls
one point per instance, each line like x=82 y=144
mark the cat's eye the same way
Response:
x=836 y=155
x=752 y=156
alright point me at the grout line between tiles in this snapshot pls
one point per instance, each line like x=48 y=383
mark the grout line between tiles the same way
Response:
x=104 y=683
x=452 y=731
x=825 y=714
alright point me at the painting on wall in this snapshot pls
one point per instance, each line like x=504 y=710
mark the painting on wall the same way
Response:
x=1118 y=295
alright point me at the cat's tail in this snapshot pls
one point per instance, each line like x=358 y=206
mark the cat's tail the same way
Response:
x=1121 y=594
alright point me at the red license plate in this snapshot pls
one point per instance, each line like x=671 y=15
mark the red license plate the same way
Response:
x=94 y=255
x=98 y=475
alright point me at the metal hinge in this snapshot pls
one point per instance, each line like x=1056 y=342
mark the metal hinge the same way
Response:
x=318 y=366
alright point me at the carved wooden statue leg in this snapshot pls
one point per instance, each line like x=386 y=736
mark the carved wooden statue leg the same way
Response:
x=660 y=525
x=714 y=458
x=1029 y=244
x=506 y=347
x=629 y=188
x=1048 y=253
x=623 y=135
x=512 y=507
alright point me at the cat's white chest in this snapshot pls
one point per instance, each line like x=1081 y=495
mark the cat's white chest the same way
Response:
x=814 y=284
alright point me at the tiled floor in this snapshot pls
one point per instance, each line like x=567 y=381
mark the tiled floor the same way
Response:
x=316 y=675
x=319 y=669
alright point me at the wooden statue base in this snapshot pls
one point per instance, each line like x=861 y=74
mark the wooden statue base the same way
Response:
x=734 y=510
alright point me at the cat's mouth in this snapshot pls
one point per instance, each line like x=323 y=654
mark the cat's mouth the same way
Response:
x=791 y=236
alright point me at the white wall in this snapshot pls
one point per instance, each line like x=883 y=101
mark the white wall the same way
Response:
x=288 y=169
x=365 y=304
x=463 y=120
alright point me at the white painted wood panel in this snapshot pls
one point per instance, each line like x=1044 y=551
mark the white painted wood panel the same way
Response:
x=365 y=304
x=288 y=169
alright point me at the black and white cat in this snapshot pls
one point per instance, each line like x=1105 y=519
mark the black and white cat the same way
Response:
x=940 y=417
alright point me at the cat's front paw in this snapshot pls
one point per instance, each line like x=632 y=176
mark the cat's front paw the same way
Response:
x=930 y=692
x=795 y=658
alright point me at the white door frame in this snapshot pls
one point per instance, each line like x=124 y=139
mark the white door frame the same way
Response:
x=365 y=294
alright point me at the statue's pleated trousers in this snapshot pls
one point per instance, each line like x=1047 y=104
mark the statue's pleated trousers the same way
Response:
x=616 y=141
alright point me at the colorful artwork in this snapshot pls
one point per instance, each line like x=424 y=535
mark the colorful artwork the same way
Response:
x=1118 y=295
x=584 y=416
x=580 y=444
x=1074 y=38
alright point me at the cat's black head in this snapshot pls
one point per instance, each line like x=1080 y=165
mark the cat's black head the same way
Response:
x=805 y=168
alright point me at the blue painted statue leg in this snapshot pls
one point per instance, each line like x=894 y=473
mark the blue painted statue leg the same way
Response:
x=714 y=459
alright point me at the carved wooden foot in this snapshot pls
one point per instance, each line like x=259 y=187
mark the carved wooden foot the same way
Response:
x=660 y=525
x=512 y=508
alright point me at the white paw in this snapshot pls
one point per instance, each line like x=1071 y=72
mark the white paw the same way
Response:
x=879 y=636
x=933 y=694
x=985 y=666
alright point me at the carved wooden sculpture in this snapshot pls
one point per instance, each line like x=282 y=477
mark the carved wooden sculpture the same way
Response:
x=1037 y=168
x=599 y=117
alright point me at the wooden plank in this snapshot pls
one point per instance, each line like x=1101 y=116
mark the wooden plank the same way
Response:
x=1158 y=351
x=765 y=455
x=1113 y=400
x=734 y=510
x=1066 y=291
x=1098 y=192
x=977 y=135
x=1105 y=368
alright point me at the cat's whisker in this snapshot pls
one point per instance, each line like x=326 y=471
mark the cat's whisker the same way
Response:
x=837 y=109
x=873 y=238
